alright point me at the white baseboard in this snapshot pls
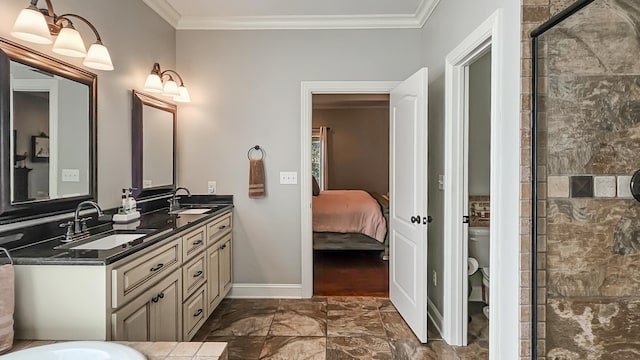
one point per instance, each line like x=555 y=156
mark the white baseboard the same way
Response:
x=277 y=291
x=435 y=316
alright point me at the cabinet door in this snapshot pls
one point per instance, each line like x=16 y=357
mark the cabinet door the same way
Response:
x=225 y=265
x=213 y=283
x=132 y=322
x=167 y=311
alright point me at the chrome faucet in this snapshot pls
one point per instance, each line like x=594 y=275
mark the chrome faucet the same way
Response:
x=174 y=204
x=78 y=228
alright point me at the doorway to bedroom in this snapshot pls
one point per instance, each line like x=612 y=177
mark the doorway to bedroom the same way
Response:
x=350 y=168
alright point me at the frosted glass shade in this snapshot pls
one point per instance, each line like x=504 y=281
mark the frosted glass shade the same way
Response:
x=69 y=43
x=31 y=26
x=98 y=58
x=171 y=88
x=153 y=84
x=184 y=95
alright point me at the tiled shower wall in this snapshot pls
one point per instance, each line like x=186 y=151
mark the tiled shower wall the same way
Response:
x=589 y=141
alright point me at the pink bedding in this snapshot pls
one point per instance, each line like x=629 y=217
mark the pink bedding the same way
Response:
x=348 y=211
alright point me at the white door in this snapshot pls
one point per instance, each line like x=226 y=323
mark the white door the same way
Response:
x=408 y=202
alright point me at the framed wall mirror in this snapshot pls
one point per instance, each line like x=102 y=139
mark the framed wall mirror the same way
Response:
x=48 y=117
x=153 y=145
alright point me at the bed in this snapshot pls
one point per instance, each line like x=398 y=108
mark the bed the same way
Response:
x=348 y=220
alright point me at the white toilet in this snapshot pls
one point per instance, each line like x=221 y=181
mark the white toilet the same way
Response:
x=479 y=250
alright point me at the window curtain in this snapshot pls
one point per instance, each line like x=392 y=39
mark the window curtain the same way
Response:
x=320 y=160
x=324 y=158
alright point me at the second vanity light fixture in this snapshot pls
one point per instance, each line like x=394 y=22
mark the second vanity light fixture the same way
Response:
x=40 y=25
x=162 y=82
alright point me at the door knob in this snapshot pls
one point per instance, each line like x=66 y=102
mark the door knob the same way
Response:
x=426 y=220
x=415 y=219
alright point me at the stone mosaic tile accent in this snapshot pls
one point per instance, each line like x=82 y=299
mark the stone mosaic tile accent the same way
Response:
x=624 y=187
x=581 y=186
x=604 y=186
x=558 y=186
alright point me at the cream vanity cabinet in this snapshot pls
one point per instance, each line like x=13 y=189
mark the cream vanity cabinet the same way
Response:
x=176 y=307
x=162 y=293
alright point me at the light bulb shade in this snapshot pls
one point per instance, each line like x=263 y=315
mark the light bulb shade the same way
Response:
x=184 y=95
x=171 y=88
x=31 y=26
x=98 y=58
x=69 y=43
x=153 y=84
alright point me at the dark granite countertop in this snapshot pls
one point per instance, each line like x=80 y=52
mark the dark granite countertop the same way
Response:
x=156 y=224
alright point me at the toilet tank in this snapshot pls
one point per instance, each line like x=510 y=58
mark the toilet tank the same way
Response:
x=479 y=245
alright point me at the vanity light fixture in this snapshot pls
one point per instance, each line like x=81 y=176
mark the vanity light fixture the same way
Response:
x=41 y=25
x=155 y=84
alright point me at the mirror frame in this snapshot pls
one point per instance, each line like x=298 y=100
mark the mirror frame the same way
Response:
x=10 y=51
x=139 y=101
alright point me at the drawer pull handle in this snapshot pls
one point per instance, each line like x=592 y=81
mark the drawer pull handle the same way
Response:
x=198 y=313
x=222 y=227
x=198 y=274
x=157 y=267
x=223 y=247
x=155 y=299
x=161 y=295
x=198 y=242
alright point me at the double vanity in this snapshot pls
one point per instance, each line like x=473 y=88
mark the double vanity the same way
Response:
x=156 y=280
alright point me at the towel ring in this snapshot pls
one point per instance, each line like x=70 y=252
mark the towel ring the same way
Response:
x=256 y=148
x=7 y=253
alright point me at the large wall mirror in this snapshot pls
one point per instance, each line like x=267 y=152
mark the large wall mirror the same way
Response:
x=153 y=145
x=48 y=134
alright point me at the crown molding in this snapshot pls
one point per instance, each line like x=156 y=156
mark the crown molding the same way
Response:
x=165 y=10
x=302 y=22
x=298 y=22
x=424 y=11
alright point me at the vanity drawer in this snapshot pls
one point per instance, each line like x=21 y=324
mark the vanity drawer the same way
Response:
x=134 y=277
x=193 y=242
x=194 y=274
x=194 y=313
x=217 y=228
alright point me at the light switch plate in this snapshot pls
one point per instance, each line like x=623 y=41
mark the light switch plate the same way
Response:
x=212 y=188
x=288 y=177
x=440 y=182
x=70 y=175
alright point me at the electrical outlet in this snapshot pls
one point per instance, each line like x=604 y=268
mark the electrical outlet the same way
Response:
x=212 y=188
x=70 y=175
x=435 y=278
x=288 y=177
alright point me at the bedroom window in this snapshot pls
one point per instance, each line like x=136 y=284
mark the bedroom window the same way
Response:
x=319 y=155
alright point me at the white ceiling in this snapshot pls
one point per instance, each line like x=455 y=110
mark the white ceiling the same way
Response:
x=293 y=14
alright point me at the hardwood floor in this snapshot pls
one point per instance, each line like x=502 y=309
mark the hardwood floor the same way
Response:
x=350 y=273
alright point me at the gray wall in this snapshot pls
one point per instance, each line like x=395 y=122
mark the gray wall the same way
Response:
x=136 y=37
x=358 y=147
x=73 y=137
x=245 y=87
x=480 y=125
x=447 y=27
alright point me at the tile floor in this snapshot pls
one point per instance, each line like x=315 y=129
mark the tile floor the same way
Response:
x=332 y=328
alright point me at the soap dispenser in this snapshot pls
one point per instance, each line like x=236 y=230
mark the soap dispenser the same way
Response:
x=125 y=202
x=131 y=201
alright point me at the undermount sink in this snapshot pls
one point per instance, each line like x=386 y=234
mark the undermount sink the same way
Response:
x=194 y=211
x=108 y=242
x=77 y=350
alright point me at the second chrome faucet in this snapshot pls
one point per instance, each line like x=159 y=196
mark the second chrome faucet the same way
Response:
x=174 y=204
